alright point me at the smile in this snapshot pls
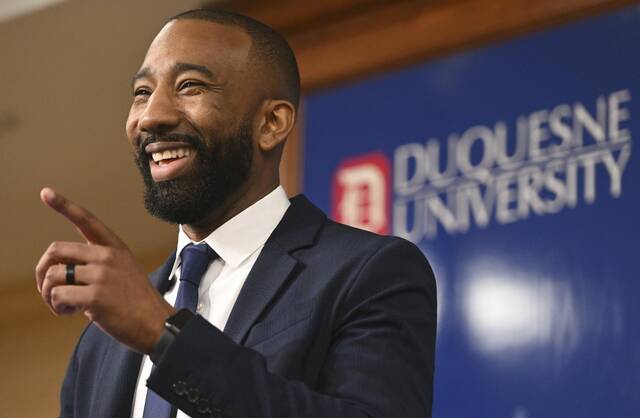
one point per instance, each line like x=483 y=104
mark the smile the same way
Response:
x=160 y=157
x=169 y=160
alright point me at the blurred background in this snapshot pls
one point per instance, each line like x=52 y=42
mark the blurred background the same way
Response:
x=495 y=134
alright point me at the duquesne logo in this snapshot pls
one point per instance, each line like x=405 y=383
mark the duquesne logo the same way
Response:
x=362 y=193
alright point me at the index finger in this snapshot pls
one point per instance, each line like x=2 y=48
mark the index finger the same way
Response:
x=91 y=228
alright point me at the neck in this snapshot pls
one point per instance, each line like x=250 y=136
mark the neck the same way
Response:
x=235 y=204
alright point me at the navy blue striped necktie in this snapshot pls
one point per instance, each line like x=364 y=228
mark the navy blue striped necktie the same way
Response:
x=194 y=262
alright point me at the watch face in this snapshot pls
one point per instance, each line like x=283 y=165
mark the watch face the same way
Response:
x=180 y=319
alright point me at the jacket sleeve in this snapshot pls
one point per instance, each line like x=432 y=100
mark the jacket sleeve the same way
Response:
x=380 y=361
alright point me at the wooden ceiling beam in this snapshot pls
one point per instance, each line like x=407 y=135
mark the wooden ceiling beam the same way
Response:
x=290 y=17
x=341 y=40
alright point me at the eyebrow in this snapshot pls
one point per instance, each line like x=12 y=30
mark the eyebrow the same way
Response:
x=179 y=67
x=182 y=67
x=144 y=72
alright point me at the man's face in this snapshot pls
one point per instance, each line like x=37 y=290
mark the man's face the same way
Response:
x=191 y=119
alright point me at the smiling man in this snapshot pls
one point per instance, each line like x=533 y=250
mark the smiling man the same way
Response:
x=266 y=308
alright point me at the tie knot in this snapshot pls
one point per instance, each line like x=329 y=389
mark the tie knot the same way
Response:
x=195 y=259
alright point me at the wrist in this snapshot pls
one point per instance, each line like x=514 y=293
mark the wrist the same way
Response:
x=155 y=327
x=171 y=329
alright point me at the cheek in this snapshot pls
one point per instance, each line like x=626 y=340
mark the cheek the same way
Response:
x=130 y=128
x=203 y=117
x=210 y=113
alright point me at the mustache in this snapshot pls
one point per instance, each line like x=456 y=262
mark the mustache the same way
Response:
x=194 y=140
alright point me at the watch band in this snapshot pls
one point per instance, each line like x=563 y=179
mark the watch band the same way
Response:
x=172 y=327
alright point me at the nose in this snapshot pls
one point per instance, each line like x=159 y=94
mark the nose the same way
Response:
x=160 y=113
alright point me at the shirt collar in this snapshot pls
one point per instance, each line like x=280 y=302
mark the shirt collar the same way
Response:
x=239 y=237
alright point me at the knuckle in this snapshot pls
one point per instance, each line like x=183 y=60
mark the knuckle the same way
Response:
x=51 y=272
x=94 y=297
x=91 y=298
x=55 y=295
x=108 y=255
x=47 y=294
x=43 y=265
x=100 y=275
x=54 y=247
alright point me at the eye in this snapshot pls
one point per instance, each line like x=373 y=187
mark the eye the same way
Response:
x=190 y=84
x=141 y=91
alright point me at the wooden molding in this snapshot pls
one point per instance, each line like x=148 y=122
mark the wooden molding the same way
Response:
x=341 y=40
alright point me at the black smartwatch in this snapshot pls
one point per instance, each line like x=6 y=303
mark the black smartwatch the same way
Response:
x=172 y=327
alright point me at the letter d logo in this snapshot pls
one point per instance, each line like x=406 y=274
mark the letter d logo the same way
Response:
x=361 y=193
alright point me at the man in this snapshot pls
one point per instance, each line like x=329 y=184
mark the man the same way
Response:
x=319 y=319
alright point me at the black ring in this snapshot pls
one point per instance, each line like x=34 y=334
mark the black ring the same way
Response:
x=71 y=274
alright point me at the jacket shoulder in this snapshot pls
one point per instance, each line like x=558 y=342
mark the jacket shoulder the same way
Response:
x=350 y=240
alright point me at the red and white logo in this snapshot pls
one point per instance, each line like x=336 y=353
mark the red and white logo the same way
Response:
x=361 y=193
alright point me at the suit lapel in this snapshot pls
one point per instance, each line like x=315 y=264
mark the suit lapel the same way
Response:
x=268 y=274
x=160 y=278
x=275 y=266
x=121 y=366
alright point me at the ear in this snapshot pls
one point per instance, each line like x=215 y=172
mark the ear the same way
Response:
x=278 y=121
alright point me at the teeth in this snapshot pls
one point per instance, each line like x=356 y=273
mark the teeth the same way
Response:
x=173 y=153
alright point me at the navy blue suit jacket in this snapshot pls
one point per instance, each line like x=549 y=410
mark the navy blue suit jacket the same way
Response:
x=331 y=322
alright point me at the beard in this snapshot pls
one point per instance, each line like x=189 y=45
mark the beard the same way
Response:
x=219 y=169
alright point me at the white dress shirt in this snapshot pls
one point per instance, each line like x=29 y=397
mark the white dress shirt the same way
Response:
x=238 y=242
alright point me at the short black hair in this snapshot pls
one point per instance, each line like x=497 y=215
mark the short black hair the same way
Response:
x=272 y=52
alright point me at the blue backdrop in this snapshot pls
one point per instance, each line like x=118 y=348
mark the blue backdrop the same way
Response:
x=512 y=167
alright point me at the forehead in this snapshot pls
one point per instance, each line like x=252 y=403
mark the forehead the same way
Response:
x=222 y=48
